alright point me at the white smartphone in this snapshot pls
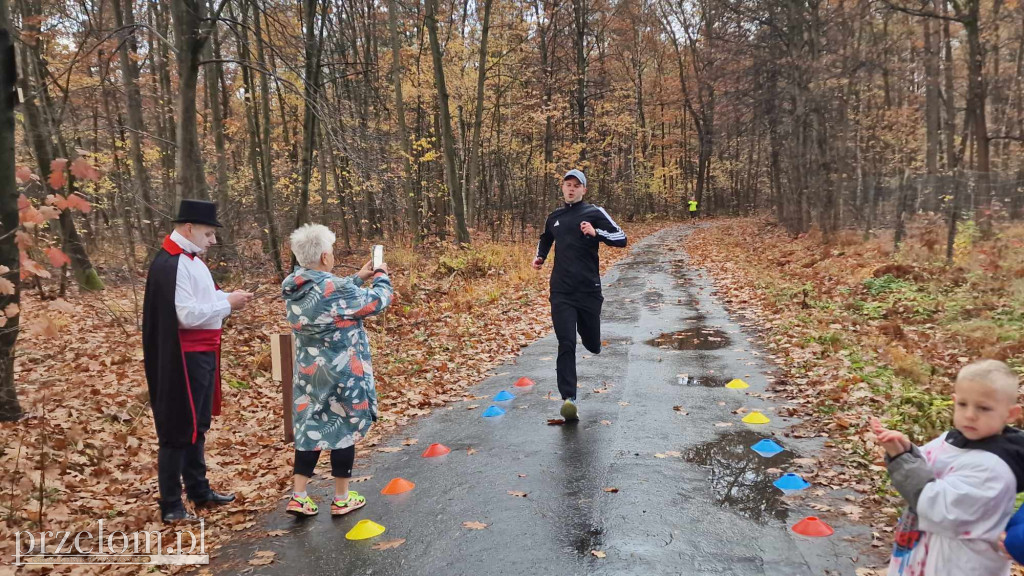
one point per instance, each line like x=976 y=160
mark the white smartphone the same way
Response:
x=377 y=256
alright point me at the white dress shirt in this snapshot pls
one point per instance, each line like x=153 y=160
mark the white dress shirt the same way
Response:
x=198 y=302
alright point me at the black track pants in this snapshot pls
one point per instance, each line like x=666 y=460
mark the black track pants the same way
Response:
x=571 y=313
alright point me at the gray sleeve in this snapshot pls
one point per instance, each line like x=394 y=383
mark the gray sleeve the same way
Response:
x=909 y=473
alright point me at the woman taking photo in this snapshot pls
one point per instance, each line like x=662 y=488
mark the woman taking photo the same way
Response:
x=335 y=401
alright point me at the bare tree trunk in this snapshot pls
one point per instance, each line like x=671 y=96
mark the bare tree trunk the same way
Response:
x=47 y=143
x=259 y=157
x=931 y=67
x=10 y=408
x=214 y=73
x=451 y=175
x=976 y=109
x=949 y=129
x=125 y=17
x=165 y=107
x=340 y=188
x=579 y=11
x=313 y=49
x=411 y=201
x=267 y=151
x=190 y=176
x=470 y=183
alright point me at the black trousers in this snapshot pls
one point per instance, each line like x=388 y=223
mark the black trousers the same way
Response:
x=572 y=313
x=341 y=462
x=176 y=463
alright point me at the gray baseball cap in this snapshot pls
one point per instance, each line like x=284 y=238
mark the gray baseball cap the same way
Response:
x=577 y=175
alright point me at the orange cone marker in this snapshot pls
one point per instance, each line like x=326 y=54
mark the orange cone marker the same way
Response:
x=435 y=450
x=813 y=527
x=523 y=382
x=397 y=486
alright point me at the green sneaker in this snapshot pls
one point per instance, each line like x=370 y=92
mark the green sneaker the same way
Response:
x=569 y=410
x=301 y=506
x=341 y=507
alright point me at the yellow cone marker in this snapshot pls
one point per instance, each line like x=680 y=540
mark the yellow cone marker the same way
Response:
x=365 y=529
x=756 y=417
x=737 y=384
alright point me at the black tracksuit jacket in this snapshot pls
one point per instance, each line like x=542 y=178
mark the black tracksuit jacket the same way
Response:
x=576 y=263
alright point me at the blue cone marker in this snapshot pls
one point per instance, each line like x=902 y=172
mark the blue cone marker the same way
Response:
x=767 y=448
x=504 y=396
x=493 y=411
x=791 y=483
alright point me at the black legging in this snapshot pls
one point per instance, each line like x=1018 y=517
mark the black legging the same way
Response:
x=341 y=462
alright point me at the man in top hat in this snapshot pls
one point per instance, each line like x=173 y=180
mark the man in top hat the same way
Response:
x=181 y=326
x=578 y=229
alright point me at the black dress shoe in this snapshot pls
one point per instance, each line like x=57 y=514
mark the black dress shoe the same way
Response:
x=212 y=498
x=178 y=515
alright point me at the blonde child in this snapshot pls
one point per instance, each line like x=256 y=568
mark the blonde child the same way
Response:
x=960 y=487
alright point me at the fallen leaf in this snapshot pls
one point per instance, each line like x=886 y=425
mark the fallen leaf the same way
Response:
x=660 y=455
x=262 y=558
x=389 y=544
x=555 y=421
x=470 y=451
x=852 y=511
x=623 y=403
x=277 y=532
x=723 y=424
x=474 y=525
x=410 y=441
x=606 y=422
x=472 y=407
x=515 y=493
x=390 y=449
x=598 y=553
x=680 y=410
x=610 y=489
x=674 y=454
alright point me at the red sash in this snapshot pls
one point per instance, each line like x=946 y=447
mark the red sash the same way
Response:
x=201 y=341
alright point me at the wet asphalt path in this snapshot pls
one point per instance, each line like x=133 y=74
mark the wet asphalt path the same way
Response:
x=707 y=507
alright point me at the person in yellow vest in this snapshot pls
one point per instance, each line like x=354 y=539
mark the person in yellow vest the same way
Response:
x=693 y=208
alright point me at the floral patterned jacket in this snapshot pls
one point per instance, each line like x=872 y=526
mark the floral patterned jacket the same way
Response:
x=335 y=400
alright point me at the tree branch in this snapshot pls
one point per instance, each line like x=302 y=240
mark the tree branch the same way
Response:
x=920 y=13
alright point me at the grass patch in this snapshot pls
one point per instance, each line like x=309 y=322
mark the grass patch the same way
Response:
x=919 y=413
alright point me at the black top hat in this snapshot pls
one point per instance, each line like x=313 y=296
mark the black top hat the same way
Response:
x=197 y=212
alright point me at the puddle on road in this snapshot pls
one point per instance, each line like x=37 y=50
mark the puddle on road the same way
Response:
x=653 y=298
x=705 y=381
x=681 y=272
x=587 y=539
x=739 y=477
x=692 y=339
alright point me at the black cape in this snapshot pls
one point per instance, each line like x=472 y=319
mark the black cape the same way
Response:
x=1008 y=446
x=173 y=411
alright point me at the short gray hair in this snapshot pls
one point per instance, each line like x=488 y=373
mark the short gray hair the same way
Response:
x=994 y=374
x=310 y=241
